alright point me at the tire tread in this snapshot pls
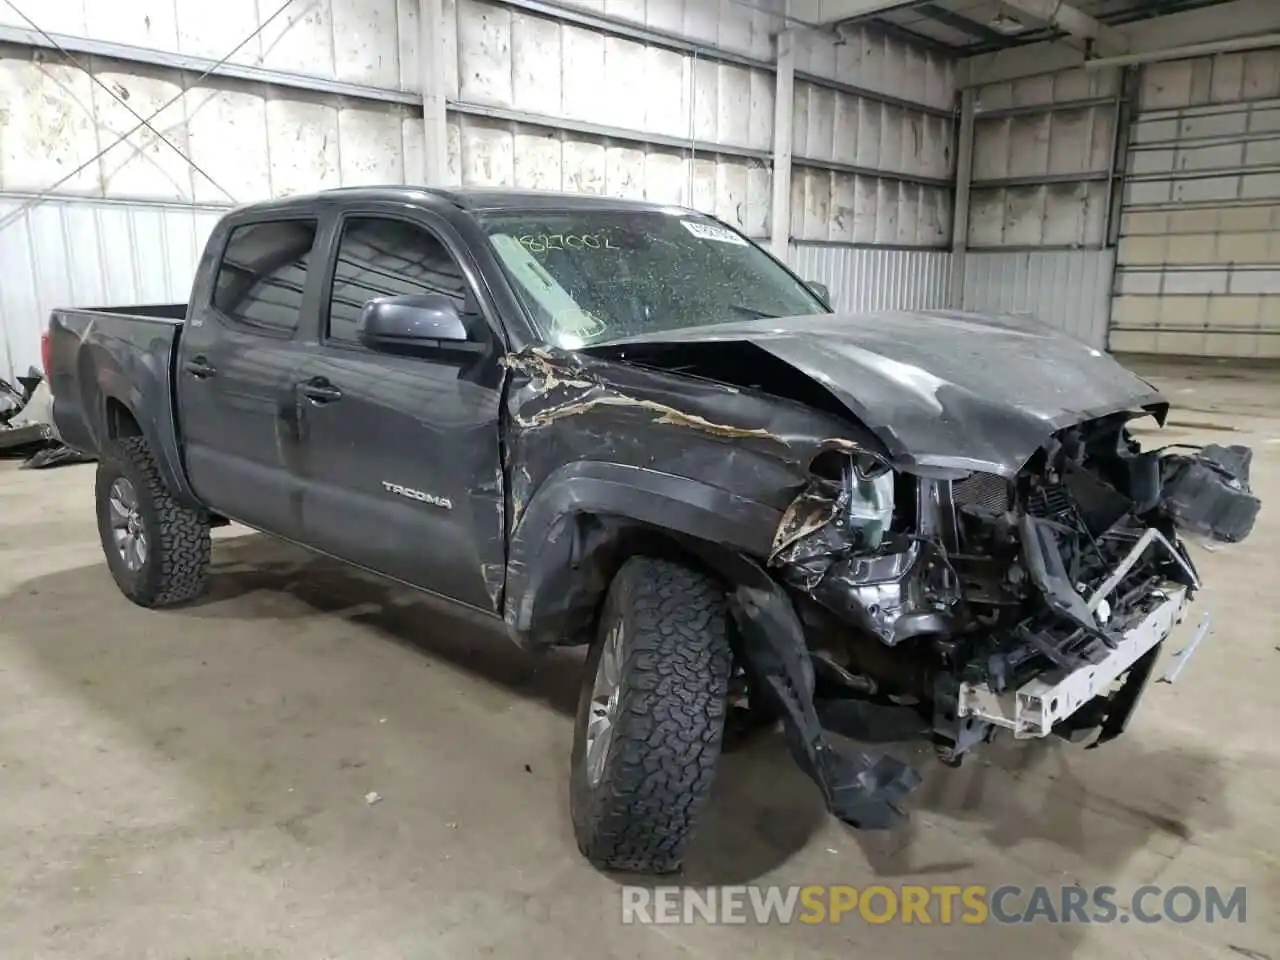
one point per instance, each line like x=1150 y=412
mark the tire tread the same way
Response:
x=674 y=701
x=183 y=546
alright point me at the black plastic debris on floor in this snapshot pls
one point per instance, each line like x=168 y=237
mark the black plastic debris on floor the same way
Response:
x=26 y=427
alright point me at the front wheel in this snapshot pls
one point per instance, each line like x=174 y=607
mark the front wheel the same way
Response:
x=157 y=548
x=650 y=716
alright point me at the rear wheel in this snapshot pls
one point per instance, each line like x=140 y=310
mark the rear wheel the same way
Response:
x=157 y=549
x=650 y=716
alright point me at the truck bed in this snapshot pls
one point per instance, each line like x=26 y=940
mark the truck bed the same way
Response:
x=103 y=361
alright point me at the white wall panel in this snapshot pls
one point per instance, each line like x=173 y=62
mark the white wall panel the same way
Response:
x=87 y=253
x=873 y=61
x=862 y=279
x=251 y=141
x=1067 y=289
x=509 y=59
x=1066 y=142
x=1049 y=89
x=486 y=152
x=372 y=42
x=1067 y=214
x=845 y=127
x=144 y=166
x=833 y=125
x=1043 y=150
x=745 y=28
x=839 y=207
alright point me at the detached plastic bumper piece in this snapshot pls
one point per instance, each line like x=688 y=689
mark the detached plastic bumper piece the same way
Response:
x=1208 y=493
x=863 y=790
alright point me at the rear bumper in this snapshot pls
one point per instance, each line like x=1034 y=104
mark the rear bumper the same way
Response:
x=1035 y=708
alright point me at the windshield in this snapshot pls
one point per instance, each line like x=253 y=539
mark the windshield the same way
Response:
x=590 y=276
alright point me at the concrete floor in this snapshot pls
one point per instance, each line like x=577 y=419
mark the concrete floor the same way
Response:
x=192 y=783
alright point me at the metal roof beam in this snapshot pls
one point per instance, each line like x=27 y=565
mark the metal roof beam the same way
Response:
x=836 y=11
x=1237 y=18
x=1092 y=34
x=890 y=29
x=956 y=21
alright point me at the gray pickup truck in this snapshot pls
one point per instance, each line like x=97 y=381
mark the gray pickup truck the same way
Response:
x=626 y=426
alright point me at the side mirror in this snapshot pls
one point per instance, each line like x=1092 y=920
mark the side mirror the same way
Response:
x=410 y=324
x=820 y=290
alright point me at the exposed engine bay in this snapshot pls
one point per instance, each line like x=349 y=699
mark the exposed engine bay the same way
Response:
x=950 y=609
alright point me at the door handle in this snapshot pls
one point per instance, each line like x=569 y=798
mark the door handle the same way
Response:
x=320 y=391
x=200 y=368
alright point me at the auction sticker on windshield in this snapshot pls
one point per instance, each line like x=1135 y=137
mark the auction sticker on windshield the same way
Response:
x=711 y=231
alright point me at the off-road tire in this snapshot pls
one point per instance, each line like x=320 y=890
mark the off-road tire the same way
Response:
x=178 y=546
x=661 y=760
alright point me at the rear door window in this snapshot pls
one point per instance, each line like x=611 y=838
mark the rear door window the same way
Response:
x=263 y=275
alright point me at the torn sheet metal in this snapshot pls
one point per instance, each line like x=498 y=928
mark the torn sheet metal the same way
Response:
x=637 y=447
x=989 y=588
x=565 y=406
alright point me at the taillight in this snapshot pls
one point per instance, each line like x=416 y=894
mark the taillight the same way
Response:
x=46 y=357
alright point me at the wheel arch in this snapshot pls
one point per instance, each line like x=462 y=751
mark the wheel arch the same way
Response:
x=137 y=406
x=590 y=516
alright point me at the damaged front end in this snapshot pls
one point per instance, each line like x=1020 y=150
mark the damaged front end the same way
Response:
x=887 y=583
x=951 y=607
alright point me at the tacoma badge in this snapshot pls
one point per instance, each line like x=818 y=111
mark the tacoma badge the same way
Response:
x=417 y=495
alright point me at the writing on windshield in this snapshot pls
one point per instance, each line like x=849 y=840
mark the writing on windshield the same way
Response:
x=542 y=242
x=591 y=276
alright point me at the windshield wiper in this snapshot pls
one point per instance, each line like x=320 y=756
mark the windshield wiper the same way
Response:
x=754 y=312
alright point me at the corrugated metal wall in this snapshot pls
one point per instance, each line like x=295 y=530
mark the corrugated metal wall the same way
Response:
x=1069 y=289
x=663 y=99
x=862 y=278
x=1199 y=254
x=90 y=253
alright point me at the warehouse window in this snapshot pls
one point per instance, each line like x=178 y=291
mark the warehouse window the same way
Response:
x=388 y=258
x=263 y=275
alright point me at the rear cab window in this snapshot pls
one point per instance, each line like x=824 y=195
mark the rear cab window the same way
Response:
x=263 y=275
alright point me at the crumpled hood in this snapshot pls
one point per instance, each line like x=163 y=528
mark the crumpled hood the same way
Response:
x=943 y=389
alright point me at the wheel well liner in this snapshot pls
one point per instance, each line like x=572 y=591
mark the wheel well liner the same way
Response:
x=120 y=421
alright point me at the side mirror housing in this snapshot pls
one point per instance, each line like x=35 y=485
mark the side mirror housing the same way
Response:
x=411 y=324
x=820 y=290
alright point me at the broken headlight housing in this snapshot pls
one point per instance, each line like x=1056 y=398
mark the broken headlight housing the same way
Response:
x=865 y=507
